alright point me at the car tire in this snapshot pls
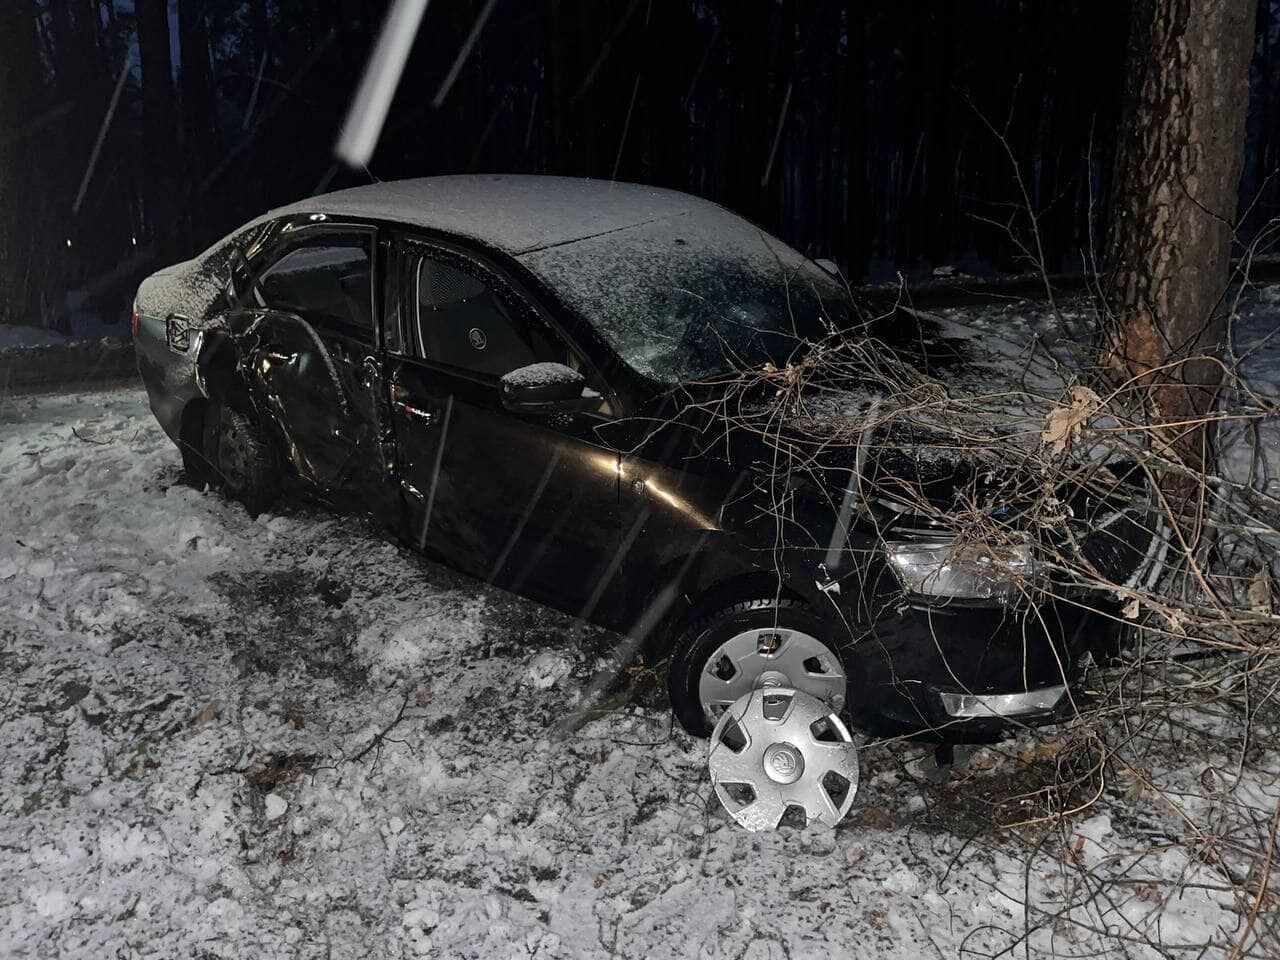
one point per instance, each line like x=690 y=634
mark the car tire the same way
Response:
x=703 y=637
x=241 y=458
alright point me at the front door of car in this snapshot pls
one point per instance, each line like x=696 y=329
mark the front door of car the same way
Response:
x=526 y=501
x=313 y=357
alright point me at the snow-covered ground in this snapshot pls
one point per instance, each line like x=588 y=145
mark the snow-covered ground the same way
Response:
x=15 y=336
x=1045 y=352
x=288 y=737
x=83 y=326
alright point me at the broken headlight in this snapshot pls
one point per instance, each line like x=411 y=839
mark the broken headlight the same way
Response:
x=947 y=569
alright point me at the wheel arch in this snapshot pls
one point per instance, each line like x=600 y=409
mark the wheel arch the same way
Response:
x=191 y=445
x=701 y=583
x=218 y=371
x=220 y=380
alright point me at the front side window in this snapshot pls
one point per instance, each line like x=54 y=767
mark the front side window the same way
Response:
x=464 y=322
x=328 y=281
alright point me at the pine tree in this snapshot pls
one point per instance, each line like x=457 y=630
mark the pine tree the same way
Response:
x=1168 y=248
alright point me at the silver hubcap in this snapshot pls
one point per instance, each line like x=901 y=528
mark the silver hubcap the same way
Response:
x=776 y=749
x=773 y=657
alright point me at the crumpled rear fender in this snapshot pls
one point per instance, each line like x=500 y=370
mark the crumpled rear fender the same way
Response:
x=221 y=371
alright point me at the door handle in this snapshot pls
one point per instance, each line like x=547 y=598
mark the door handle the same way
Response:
x=426 y=416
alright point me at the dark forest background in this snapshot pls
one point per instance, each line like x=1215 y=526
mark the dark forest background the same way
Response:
x=883 y=135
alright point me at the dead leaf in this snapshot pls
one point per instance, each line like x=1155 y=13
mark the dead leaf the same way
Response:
x=1085 y=395
x=1063 y=424
x=1133 y=792
x=1176 y=620
x=293 y=714
x=982 y=760
x=1075 y=852
x=601 y=878
x=877 y=818
x=275 y=770
x=1149 y=894
x=205 y=716
x=1131 y=609
x=1259 y=592
x=1041 y=751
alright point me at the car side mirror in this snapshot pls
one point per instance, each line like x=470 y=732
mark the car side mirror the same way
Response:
x=547 y=388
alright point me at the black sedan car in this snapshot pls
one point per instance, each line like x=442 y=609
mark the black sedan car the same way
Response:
x=520 y=375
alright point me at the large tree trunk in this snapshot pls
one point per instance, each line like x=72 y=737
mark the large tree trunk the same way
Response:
x=858 y=226
x=259 y=29
x=159 y=122
x=26 y=253
x=1178 y=163
x=199 y=110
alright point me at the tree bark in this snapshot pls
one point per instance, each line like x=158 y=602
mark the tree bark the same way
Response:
x=26 y=254
x=1178 y=164
x=259 y=30
x=858 y=217
x=159 y=120
x=199 y=110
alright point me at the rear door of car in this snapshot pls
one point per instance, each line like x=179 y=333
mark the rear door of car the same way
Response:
x=528 y=502
x=315 y=359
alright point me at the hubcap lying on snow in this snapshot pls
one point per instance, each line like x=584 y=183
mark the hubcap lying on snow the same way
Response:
x=776 y=749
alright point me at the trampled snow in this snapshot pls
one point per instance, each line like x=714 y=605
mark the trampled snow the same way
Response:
x=289 y=737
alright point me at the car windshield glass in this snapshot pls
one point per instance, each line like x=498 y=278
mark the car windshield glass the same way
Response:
x=696 y=297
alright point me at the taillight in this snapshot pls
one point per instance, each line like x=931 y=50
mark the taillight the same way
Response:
x=133 y=323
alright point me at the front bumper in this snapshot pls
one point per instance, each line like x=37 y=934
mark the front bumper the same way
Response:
x=1002 y=706
x=960 y=673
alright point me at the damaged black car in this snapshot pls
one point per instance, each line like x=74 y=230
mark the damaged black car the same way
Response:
x=581 y=391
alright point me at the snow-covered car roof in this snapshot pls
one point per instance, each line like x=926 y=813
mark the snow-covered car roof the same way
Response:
x=514 y=214
x=674 y=283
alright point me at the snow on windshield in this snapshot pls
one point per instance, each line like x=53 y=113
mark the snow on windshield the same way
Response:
x=690 y=297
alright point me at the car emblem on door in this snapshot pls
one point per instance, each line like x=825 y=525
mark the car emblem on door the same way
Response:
x=478 y=338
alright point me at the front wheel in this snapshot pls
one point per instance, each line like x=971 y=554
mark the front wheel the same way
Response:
x=241 y=458
x=721 y=657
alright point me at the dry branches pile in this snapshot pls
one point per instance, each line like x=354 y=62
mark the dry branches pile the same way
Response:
x=1070 y=488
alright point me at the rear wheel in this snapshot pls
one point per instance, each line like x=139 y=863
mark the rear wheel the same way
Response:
x=755 y=643
x=241 y=458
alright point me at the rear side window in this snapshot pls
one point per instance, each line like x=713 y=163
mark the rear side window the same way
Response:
x=464 y=322
x=328 y=282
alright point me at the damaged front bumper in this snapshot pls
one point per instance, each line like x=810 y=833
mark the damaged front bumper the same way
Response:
x=970 y=672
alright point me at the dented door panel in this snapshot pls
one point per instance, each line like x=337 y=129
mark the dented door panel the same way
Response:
x=312 y=356
x=298 y=379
